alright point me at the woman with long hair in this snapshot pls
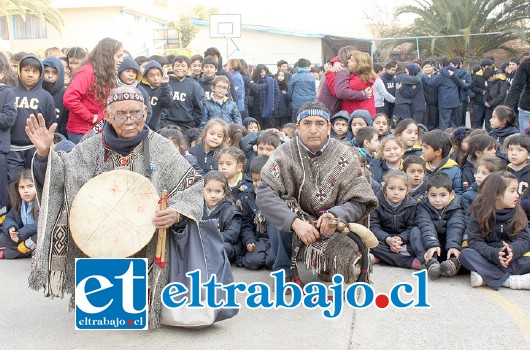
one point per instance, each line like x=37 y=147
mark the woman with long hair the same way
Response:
x=91 y=83
x=362 y=76
x=266 y=96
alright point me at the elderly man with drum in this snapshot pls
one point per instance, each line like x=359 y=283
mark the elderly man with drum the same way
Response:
x=126 y=143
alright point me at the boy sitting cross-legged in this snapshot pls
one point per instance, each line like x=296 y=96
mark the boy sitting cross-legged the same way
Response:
x=441 y=222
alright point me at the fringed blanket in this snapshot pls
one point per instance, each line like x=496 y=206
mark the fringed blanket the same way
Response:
x=311 y=184
x=53 y=263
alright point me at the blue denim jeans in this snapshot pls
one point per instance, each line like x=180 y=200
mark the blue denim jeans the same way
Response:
x=523 y=119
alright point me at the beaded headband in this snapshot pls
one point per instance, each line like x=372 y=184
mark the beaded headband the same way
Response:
x=311 y=113
x=125 y=96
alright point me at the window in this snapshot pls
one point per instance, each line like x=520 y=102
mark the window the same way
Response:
x=31 y=28
x=3 y=29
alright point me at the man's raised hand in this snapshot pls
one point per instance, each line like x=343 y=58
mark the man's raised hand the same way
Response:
x=41 y=137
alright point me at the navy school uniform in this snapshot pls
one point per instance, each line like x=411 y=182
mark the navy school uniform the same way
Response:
x=160 y=97
x=386 y=221
x=419 y=192
x=523 y=176
x=254 y=230
x=57 y=90
x=228 y=216
x=207 y=161
x=451 y=168
x=25 y=231
x=379 y=169
x=482 y=256
x=500 y=134
x=468 y=174
x=444 y=229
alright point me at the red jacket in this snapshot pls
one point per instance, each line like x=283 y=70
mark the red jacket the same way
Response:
x=357 y=84
x=79 y=99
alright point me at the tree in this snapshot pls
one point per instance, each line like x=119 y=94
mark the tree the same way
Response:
x=503 y=19
x=41 y=9
x=187 y=31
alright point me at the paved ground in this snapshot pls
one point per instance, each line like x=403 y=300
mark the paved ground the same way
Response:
x=461 y=317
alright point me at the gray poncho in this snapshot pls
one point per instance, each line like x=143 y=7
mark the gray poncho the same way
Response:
x=53 y=265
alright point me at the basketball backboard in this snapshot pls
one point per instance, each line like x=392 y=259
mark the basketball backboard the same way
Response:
x=225 y=26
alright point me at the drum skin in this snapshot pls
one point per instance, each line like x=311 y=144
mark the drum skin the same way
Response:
x=111 y=215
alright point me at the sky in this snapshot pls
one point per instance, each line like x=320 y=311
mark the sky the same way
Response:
x=321 y=18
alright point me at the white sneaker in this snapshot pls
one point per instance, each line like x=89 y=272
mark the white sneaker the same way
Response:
x=519 y=281
x=476 y=280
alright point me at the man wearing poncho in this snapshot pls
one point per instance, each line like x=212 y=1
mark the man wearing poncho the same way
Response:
x=313 y=177
x=127 y=143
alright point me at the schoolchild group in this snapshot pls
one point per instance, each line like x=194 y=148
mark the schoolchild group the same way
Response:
x=452 y=199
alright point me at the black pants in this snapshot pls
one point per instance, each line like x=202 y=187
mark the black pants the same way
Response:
x=431 y=117
x=261 y=256
x=479 y=114
x=4 y=198
x=17 y=162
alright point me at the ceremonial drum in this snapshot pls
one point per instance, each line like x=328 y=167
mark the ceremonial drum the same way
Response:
x=111 y=215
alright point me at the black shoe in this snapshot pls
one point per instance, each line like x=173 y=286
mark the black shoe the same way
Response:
x=450 y=267
x=434 y=269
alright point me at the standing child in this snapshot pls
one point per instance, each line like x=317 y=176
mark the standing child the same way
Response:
x=19 y=235
x=215 y=134
x=219 y=105
x=441 y=223
x=30 y=98
x=381 y=124
x=8 y=114
x=498 y=236
x=282 y=115
x=436 y=148
x=339 y=126
x=390 y=153
x=54 y=84
x=393 y=222
x=415 y=169
x=219 y=205
x=129 y=74
x=209 y=68
x=254 y=228
x=156 y=82
x=479 y=146
x=502 y=123
x=196 y=66
x=407 y=131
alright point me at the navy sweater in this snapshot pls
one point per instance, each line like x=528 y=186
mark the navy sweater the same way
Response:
x=8 y=114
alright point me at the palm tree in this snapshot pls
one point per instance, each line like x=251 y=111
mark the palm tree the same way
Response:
x=41 y=9
x=504 y=19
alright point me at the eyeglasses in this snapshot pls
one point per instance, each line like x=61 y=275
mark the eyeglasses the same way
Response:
x=135 y=117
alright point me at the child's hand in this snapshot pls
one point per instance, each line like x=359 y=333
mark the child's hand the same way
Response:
x=394 y=243
x=165 y=77
x=429 y=253
x=13 y=234
x=251 y=247
x=505 y=255
x=452 y=252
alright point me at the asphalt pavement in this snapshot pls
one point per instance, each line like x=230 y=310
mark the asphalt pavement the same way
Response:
x=459 y=317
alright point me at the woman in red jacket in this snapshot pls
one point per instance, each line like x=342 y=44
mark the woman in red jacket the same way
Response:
x=87 y=94
x=362 y=76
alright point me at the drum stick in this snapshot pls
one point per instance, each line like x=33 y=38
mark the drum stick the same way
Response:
x=162 y=232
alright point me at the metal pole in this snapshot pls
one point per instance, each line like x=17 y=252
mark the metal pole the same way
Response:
x=418 y=47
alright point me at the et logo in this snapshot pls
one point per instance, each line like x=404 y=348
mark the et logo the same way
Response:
x=110 y=294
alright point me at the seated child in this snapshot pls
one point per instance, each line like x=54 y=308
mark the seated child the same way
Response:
x=499 y=240
x=442 y=224
x=368 y=141
x=19 y=229
x=235 y=134
x=503 y=122
x=415 y=169
x=215 y=134
x=460 y=138
x=436 y=149
x=407 y=131
x=478 y=147
x=339 y=126
x=393 y=223
x=254 y=228
x=262 y=143
x=173 y=134
x=376 y=187
x=380 y=122
x=358 y=119
x=251 y=124
x=289 y=130
x=219 y=205
x=389 y=158
x=518 y=149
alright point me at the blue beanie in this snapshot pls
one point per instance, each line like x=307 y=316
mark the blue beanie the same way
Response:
x=364 y=114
